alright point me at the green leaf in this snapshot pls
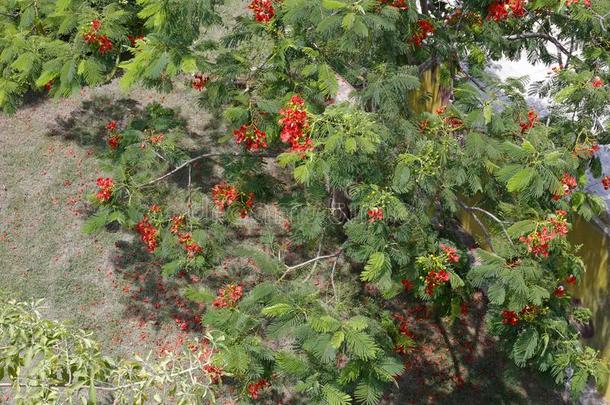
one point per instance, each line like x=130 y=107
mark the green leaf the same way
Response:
x=525 y=346
x=337 y=340
x=302 y=174
x=455 y=280
x=333 y=4
x=361 y=344
x=521 y=179
x=277 y=310
x=521 y=228
x=348 y=20
x=375 y=267
x=334 y=396
x=173 y=267
x=496 y=294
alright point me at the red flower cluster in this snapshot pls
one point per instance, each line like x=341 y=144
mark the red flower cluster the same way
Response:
x=214 y=372
x=228 y=296
x=224 y=195
x=509 y=318
x=405 y=330
x=583 y=151
x=255 y=387
x=114 y=141
x=157 y=138
x=435 y=279
x=451 y=253
x=375 y=214
x=399 y=4
x=569 y=183
x=571 y=279
x=49 y=85
x=148 y=233
x=106 y=185
x=597 y=82
x=559 y=292
x=294 y=120
x=111 y=126
x=424 y=30
x=252 y=137
x=453 y=122
x=606 y=182
x=185 y=239
x=538 y=241
x=585 y=2
x=407 y=284
x=501 y=10
x=134 y=40
x=263 y=10
x=92 y=37
x=199 y=81
x=532 y=119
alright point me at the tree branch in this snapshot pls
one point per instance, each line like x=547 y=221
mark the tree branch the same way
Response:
x=539 y=35
x=492 y=216
x=315 y=259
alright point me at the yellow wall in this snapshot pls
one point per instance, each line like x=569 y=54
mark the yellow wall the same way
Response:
x=594 y=289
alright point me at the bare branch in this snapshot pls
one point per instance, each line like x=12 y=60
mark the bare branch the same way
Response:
x=314 y=260
x=539 y=35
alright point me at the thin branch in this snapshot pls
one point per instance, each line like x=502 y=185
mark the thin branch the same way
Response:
x=492 y=216
x=332 y=279
x=315 y=259
x=195 y=159
x=484 y=229
x=539 y=35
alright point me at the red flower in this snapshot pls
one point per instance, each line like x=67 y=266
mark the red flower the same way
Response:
x=571 y=279
x=501 y=10
x=559 y=291
x=252 y=137
x=114 y=141
x=156 y=138
x=148 y=233
x=255 y=387
x=407 y=284
x=199 y=81
x=451 y=253
x=263 y=10
x=569 y=183
x=435 y=279
x=597 y=82
x=424 y=30
x=106 y=186
x=584 y=151
x=509 y=318
x=375 y=214
x=90 y=37
x=587 y=3
x=133 y=40
x=295 y=124
x=105 y=44
x=214 y=372
x=111 y=126
x=606 y=182
x=224 y=195
x=228 y=296
x=96 y=25
x=399 y=4
x=49 y=85
x=532 y=119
